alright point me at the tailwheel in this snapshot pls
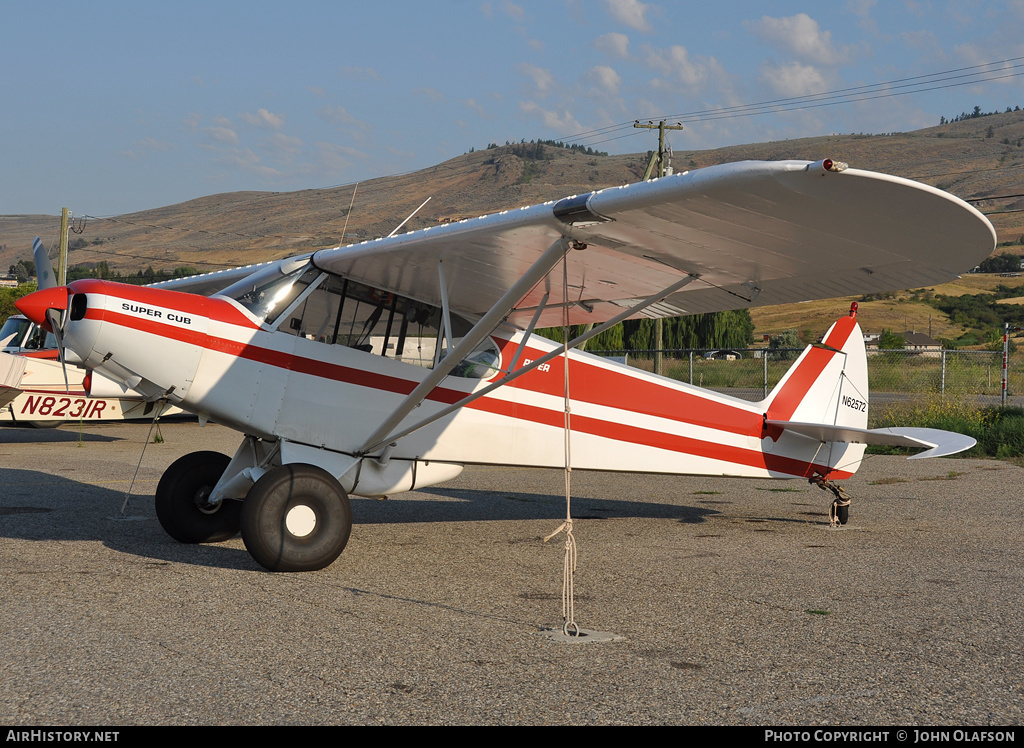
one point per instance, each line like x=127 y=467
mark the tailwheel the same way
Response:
x=839 y=512
x=296 y=518
x=182 y=500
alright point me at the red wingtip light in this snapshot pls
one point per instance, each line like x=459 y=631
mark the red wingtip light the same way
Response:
x=35 y=305
x=853 y=309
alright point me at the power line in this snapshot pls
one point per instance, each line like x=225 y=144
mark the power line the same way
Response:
x=867 y=92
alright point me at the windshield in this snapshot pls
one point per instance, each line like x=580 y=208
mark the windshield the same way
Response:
x=269 y=292
x=15 y=326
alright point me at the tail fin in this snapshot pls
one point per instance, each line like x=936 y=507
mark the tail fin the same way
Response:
x=827 y=386
x=823 y=398
x=828 y=383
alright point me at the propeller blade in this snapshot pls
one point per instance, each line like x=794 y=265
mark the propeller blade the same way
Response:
x=56 y=318
x=44 y=270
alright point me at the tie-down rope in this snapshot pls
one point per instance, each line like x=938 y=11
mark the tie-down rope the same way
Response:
x=569 y=626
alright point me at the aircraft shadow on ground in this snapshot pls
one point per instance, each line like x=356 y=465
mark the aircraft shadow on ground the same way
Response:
x=11 y=434
x=481 y=505
x=38 y=506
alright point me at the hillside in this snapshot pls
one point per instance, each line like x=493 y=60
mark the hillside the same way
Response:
x=971 y=158
x=902 y=312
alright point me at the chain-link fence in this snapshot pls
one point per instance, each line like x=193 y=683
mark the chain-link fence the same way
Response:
x=893 y=375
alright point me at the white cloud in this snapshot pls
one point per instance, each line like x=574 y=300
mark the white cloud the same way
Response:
x=923 y=41
x=513 y=11
x=542 y=79
x=246 y=160
x=147 y=145
x=862 y=9
x=561 y=121
x=801 y=36
x=604 y=78
x=283 y=146
x=339 y=117
x=675 y=63
x=265 y=119
x=474 y=106
x=357 y=73
x=794 y=79
x=632 y=13
x=221 y=135
x=429 y=93
x=613 y=44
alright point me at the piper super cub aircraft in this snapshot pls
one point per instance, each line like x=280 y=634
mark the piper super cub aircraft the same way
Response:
x=387 y=365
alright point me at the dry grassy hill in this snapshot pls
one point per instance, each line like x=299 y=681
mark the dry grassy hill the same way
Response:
x=972 y=158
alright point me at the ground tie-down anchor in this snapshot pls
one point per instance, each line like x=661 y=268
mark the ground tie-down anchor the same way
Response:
x=839 y=512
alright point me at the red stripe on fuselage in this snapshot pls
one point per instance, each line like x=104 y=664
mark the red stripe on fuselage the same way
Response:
x=658 y=439
x=187 y=303
x=47 y=355
x=597 y=386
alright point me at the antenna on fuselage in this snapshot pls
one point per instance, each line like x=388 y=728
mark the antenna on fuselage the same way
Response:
x=348 y=215
x=410 y=216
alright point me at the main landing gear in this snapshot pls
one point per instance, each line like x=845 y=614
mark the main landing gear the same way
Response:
x=182 y=500
x=294 y=518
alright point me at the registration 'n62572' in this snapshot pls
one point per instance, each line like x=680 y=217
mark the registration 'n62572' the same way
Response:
x=852 y=402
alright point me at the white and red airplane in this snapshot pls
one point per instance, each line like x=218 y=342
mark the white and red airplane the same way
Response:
x=39 y=391
x=387 y=365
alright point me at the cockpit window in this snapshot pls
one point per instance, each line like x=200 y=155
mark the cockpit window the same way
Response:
x=341 y=311
x=15 y=326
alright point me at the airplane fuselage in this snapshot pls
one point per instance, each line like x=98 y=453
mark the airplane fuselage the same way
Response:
x=212 y=357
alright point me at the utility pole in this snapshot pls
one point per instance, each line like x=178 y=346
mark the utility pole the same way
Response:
x=62 y=257
x=658 y=158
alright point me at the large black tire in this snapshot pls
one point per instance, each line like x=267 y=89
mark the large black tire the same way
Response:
x=296 y=518
x=181 y=500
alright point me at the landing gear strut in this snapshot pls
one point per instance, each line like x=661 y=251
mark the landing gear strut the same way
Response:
x=182 y=500
x=296 y=518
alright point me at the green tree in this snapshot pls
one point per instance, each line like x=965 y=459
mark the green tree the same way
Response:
x=788 y=339
x=891 y=341
x=9 y=295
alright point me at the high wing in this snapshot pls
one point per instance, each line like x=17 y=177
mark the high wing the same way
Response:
x=210 y=283
x=752 y=233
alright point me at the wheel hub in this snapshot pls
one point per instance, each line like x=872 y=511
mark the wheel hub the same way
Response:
x=203 y=503
x=300 y=520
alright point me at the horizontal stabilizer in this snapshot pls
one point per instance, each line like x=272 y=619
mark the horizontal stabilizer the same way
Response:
x=936 y=442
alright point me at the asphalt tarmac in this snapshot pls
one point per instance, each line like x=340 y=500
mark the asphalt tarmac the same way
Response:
x=735 y=603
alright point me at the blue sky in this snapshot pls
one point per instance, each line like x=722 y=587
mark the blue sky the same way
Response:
x=112 y=107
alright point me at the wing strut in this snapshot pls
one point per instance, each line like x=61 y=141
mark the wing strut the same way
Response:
x=501 y=309
x=527 y=334
x=376 y=441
